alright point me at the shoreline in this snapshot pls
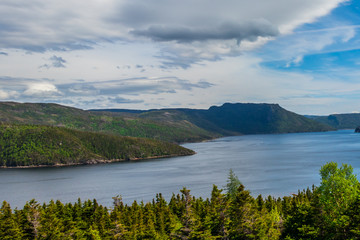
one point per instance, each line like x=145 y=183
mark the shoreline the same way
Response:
x=96 y=161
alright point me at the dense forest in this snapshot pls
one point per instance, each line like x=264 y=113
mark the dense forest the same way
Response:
x=34 y=145
x=329 y=211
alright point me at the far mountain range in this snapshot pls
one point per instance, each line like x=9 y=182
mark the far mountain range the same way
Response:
x=340 y=121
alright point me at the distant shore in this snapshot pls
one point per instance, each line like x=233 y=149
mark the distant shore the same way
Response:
x=98 y=161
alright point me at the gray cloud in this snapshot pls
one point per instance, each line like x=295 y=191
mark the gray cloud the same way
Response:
x=4 y=53
x=249 y=30
x=124 y=100
x=133 y=86
x=56 y=62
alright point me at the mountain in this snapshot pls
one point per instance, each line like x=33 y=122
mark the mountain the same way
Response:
x=340 y=121
x=172 y=125
x=35 y=145
x=238 y=118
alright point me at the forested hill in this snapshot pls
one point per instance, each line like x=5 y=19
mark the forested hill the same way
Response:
x=34 y=145
x=340 y=121
x=234 y=119
x=106 y=122
x=172 y=125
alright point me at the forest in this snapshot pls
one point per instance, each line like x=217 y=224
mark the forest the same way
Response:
x=35 y=145
x=328 y=211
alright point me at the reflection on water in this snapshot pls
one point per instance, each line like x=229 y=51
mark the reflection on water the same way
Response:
x=276 y=164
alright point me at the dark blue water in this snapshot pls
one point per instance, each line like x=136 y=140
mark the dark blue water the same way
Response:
x=276 y=164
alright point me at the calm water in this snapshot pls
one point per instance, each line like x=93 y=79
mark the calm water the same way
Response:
x=277 y=164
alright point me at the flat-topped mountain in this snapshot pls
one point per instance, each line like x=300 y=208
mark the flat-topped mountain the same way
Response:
x=234 y=119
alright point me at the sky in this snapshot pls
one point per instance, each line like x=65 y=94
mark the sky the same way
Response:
x=141 y=54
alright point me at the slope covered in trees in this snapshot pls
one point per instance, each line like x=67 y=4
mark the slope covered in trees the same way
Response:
x=34 y=145
x=173 y=125
x=330 y=211
x=234 y=119
x=340 y=121
x=129 y=125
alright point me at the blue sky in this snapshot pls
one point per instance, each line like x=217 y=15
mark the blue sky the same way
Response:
x=341 y=51
x=139 y=54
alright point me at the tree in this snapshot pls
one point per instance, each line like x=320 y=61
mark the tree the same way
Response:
x=233 y=183
x=338 y=190
x=9 y=228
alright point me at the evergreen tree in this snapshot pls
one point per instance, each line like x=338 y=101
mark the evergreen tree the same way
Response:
x=9 y=228
x=233 y=183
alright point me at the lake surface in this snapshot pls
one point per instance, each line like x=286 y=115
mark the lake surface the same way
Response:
x=274 y=164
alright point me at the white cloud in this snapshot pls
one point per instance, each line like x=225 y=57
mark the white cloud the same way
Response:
x=292 y=48
x=4 y=95
x=41 y=90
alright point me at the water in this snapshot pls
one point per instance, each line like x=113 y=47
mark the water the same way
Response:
x=276 y=164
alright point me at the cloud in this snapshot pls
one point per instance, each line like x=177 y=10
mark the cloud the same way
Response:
x=41 y=90
x=79 y=89
x=56 y=62
x=249 y=30
x=40 y=25
x=189 y=32
x=290 y=50
x=65 y=25
x=4 y=53
x=125 y=101
x=6 y=95
x=132 y=86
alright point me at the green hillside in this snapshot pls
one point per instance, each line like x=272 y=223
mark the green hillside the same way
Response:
x=171 y=125
x=340 y=121
x=261 y=118
x=239 y=118
x=106 y=122
x=34 y=145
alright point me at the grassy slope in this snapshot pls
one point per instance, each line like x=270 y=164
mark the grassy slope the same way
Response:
x=24 y=145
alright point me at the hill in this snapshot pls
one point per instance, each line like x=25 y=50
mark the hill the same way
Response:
x=238 y=118
x=340 y=121
x=106 y=122
x=34 y=145
x=172 y=125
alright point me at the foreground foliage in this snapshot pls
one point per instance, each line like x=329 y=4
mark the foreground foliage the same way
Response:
x=34 y=145
x=331 y=211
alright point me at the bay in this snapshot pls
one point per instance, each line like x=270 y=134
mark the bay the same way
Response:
x=273 y=164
